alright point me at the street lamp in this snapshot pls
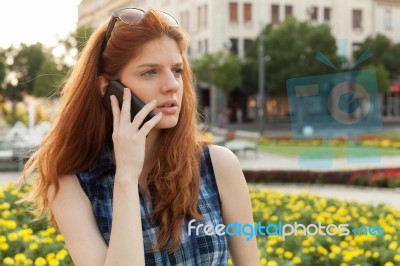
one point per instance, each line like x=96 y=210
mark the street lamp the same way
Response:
x=261 y=77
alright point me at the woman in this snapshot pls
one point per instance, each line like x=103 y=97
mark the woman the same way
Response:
x=97 y=167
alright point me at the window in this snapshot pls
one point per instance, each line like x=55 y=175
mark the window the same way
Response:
x=206 y=46
x=327 y=14
x=355 y=48
x=234 y=46
x=247 y=44
x=233 y=12
x=288 y=11
x=200 y=47
x=205 y=14
x=314 y=13
x=199 y=15
x=275 y=14
x=184 y=19
x=388 y=20
x=247 y=12
x=357 y=19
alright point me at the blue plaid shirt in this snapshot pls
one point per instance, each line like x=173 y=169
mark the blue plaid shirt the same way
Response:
x=202 y=249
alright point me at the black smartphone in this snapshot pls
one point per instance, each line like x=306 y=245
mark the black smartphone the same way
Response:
x=115 y=87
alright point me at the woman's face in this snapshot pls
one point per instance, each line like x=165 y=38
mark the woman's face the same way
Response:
x=156 y=74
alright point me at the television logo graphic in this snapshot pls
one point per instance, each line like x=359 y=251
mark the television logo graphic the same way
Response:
x=335 y=105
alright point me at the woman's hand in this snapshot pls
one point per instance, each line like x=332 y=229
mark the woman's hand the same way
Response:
x=129 y=140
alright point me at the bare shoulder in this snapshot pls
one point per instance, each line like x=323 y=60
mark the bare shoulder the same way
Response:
x=228 y=172
x=75 y=219
x=223 y=158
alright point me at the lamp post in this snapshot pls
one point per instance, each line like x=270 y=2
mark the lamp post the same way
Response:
x=261 y=78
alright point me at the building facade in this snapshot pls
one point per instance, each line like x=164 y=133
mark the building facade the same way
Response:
x=216 y=25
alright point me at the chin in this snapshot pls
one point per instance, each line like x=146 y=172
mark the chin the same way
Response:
x=167 y=122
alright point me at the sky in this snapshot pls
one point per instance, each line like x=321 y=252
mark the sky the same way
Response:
x=31 y=21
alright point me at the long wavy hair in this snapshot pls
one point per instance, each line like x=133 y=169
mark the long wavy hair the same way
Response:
x=82 y=128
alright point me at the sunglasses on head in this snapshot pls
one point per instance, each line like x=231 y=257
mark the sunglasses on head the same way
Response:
x=131 y=16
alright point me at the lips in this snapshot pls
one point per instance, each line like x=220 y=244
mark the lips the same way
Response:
x=169 y=106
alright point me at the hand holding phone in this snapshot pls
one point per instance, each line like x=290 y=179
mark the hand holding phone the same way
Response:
x=115 y=87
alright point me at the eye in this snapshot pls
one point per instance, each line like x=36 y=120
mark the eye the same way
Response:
x=149 y=72
x=178 y=71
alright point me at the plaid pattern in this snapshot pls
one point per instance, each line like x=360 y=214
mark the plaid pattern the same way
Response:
x=98 y=183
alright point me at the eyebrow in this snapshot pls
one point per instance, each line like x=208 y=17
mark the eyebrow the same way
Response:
x=156 y=65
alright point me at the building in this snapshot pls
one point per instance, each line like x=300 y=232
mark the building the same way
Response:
x=216 y=25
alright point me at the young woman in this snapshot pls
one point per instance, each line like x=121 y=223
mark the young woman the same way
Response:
x=121 y=191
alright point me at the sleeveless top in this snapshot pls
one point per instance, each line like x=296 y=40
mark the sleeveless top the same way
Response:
x=195 y=249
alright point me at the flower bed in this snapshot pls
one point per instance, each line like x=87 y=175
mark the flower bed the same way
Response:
x=375 y=178
x=24 y=243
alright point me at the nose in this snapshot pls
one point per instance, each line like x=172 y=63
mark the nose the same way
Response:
x=170 y=83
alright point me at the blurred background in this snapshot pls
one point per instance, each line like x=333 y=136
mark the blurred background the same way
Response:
x=245 y=54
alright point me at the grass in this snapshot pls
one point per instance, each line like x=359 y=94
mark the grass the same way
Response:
x=326 y=151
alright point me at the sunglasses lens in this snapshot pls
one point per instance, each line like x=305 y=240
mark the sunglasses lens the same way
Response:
x=171 y=20
x=130 y=16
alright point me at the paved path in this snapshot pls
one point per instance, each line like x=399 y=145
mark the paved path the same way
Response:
x=270 y=161
x=367 y=195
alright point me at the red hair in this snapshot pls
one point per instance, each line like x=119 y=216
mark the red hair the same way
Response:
x=83 y=127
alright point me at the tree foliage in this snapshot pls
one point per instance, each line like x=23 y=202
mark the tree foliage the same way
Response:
x=289 y=50
x=385 y=53
x=223 y=69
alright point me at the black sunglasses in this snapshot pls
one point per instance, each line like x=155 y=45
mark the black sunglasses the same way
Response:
x=131 y=16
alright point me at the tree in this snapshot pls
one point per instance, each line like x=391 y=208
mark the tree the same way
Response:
x=73 y=45
x=290 y=51
x=49 y=80
x=382 y=76
x=222 y=69
x=385 y=52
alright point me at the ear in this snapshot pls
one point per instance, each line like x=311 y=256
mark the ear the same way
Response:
x=102 y=84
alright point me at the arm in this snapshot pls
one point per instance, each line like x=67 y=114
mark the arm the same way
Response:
x=75 y=219
x=72 y=209
x=236 y=204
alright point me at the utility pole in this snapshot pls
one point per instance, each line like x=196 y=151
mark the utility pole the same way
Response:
x=261 y=78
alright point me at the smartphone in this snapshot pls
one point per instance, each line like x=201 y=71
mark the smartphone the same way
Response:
x=115 y=87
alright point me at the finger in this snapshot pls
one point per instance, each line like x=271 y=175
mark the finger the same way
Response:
x=149 y=125
x=115 y=112
x=141 y=115
x=126 y=106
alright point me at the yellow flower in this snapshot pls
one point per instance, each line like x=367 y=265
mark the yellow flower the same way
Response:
x=8 y=261
x=6 y=214
x=40 y=262
x=19 y=257
x=61 y=254
x=332 y=256
x=28 y=262
x=393 y=245
x=375 y=255
x=54 y=262
x=288 y=254
x=12 y=236
x=4 y=246
x=296 y=260
x=368 y=253
x=389 y=263
x=344 y=244
x=3 y=239
x=397 y=257
x=263 y=262
x=59 y=238
x=33 y=246
x=50 y=256
x=322 y=250
x=272 y=263
x=279 y=251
